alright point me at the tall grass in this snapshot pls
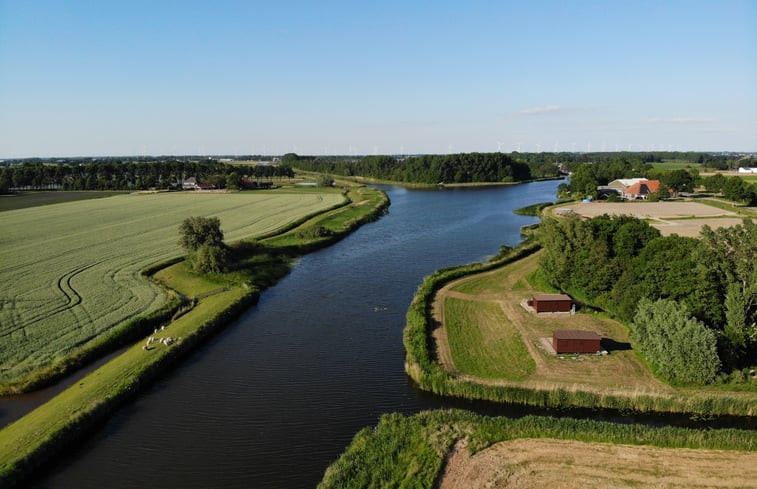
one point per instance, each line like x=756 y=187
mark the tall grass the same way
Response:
x=399 y=447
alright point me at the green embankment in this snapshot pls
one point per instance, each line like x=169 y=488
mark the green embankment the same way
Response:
x=423 y=366
x=28 y=442
x=410 y=451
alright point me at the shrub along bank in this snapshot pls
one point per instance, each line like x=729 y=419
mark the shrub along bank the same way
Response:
x=219 y=298
x=410 y=451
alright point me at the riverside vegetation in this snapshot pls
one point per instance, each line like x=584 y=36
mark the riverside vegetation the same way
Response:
x=411 y=451
x=212 y=301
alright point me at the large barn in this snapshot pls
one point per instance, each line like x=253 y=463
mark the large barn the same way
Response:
x=551 y=303
x=576 y=341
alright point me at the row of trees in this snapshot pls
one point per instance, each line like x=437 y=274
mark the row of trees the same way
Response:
x=113 y=175
x=453 y=168
x=617 y=262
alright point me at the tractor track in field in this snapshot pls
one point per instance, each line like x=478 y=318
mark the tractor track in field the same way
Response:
x=72 y=298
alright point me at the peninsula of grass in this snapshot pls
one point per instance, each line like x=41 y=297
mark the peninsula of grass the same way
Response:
x=532 y=210
x=211 y=302
x=461 y=317
x=419 y=450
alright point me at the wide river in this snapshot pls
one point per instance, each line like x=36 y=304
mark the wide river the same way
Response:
x=274 y=398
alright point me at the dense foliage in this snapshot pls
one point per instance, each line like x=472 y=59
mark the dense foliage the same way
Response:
x=680 y=347
x=117 y=175
x=615 y=262
x=429 y=169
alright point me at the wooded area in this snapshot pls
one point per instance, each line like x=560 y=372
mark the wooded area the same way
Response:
x=617 y=263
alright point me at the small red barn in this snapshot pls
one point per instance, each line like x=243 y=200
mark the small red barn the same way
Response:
x=551 y=303
x=575 y=341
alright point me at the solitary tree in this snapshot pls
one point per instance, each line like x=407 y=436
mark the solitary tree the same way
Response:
x=203 y=239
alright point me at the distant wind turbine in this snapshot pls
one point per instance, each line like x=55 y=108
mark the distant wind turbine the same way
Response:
x=499 y=146
x=538 y=148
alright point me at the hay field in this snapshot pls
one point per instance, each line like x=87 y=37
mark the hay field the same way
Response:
x=70 y=271
x=569 y=464
x=681 y=218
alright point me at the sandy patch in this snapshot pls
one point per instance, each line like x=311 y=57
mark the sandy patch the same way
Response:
x=528 y=463
x=647 y=210
x=692 y=227
x=666 y=216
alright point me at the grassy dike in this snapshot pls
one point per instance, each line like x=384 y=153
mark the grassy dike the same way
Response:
x=410 y=451
x=216 y=300
x=423 y=366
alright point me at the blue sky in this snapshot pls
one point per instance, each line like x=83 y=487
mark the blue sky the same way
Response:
x=241 y=77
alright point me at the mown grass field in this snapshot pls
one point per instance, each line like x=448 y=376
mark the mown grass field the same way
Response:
x=484 y=342
x=22 y=200
x=71 y=271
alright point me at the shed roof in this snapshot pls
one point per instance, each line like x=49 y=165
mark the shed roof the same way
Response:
x=552 y=297
x=575 y=334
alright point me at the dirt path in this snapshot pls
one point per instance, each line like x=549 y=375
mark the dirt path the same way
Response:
x=527 y=463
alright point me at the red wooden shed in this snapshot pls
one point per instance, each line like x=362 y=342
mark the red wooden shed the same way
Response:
x=551 y=303
x=575 y=341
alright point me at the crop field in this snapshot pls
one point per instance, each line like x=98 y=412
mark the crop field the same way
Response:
x=71 y=271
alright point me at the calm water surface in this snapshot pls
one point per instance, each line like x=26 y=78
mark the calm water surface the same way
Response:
x=272 y=400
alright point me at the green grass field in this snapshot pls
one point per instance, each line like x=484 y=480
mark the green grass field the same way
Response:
x=677 y=165
x=71 y=271
x=483 y=342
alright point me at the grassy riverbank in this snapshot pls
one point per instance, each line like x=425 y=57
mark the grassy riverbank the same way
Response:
x=413 y=451
x=470 y=363
x=217 y=299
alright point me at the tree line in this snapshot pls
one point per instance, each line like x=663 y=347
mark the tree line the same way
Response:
x=429 y=169
x=691 y=303
x=130 y=175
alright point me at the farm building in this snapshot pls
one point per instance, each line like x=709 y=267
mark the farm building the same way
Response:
x=551 y=303
x=575 y=341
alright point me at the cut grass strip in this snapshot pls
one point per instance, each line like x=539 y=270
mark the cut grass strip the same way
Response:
x=483 y=341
